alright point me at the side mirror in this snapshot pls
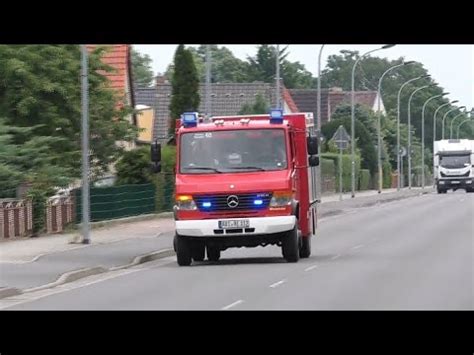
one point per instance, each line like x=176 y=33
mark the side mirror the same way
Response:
x=312 y=144
x=155 y=152
x=313 y=160
x=156 y=167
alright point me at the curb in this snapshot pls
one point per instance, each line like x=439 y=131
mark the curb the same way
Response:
x=82 y=273
x=9 y=292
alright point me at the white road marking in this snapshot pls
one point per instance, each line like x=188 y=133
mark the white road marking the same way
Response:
x=311 y=268
x=358 y=246
x=276 y=284
x=335 y=257
x=232 y=305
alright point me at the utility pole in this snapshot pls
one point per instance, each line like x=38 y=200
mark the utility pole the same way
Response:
x=85 y=147
x=208 y=82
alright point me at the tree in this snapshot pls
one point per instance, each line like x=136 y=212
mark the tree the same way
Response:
x=40 y=88
x=225 y=68
x=364 y=140
x=260 y=106
x=134 y=167
x=185 y=86
x=142 y=72
x=338 y=73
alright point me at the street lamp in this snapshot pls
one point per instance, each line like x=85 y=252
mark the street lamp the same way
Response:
x=446 y=115
x=353 y=114
x=459 y=126
x=398 y=125
x=434 y=116
x=409 y=129
x=379 y=133
x=277 y=75
x=452 y=121
x=423 y=136
x=318 y=124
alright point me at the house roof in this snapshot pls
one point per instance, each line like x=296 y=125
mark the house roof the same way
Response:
x=306 y=100
x=227 y=99
x=118 y=56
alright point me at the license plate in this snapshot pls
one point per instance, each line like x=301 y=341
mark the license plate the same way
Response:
x=455 y=182
x=239 y=223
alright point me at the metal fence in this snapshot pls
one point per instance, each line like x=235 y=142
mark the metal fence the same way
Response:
x=118 y=201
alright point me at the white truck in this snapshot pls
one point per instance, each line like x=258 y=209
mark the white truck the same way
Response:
x=453 y=164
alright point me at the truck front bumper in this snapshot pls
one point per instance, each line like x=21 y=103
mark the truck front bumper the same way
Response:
x=257 y=226
x=456 y=183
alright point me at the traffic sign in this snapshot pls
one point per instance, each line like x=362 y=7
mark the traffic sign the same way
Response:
x=341 y=138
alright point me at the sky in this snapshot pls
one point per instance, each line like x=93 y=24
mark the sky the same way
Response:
x=451 y=66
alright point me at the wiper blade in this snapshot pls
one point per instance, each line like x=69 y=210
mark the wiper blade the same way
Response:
x=203 y=168
x=247 y=167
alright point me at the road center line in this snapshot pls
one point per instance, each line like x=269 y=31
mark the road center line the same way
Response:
x=358 y=246
x=311 y=268
x=276 y=284
x=335 y=257
x=232 y=305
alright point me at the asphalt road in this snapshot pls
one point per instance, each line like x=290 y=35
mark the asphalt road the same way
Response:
x=415 y=253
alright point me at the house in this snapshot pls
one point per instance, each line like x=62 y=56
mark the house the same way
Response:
x=146 y=104
x=226 y=99
x=306 y=100
x=118 y=56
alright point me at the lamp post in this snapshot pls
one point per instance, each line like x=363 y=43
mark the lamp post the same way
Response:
x=409 y=130
x=85 y=145
x=353 y=114
x=459 y=126
x=436 y=112
x=379 y=129
x=452 y=121
x=423 y=136
x=399 y=167
x=208 y=82
x=277 y=76
x=318 y=125
x=446 y=115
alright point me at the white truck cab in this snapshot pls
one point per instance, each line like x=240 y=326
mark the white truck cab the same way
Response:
x=454 y=164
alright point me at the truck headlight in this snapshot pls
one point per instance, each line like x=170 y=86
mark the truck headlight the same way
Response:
x=281 y=199
x=185 y=202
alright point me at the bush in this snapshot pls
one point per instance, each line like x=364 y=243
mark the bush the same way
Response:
x=346 y=169
x=134 y=167
x=165 y=180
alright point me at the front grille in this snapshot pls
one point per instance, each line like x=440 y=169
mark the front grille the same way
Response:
x=454 y=176
x=219 y=203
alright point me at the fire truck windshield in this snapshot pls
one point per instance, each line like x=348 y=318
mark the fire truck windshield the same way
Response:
x=233 y=151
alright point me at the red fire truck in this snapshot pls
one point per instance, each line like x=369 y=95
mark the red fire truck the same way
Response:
x=244 y=181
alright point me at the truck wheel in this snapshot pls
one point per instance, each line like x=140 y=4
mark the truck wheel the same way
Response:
x=305 y=250
x=198 y=251
x=290 y=246
x=183 y=250
x=213 y=253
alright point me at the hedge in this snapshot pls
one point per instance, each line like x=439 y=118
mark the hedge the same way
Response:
x=346 y=169
x=364 y=181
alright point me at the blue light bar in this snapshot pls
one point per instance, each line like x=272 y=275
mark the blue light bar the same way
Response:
x=276 y=116
x=189 y=119
x=258 y=202
x=206 y=204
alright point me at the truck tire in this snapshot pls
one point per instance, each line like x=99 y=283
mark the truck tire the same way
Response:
x=198 y=251
x=213 y=253
x=290 y=246
x=305 y=250
x=183 y=250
